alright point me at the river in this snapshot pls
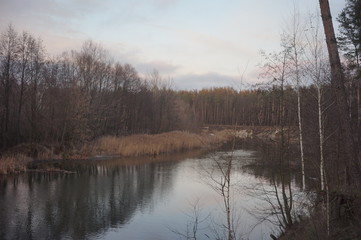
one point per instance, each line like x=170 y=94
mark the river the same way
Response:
x=138 y=199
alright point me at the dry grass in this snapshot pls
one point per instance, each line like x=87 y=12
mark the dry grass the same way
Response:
x=153 y=145
x=18 y=158
x=13 y=164
x=33 y=150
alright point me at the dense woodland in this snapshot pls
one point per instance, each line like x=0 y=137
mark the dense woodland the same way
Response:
x=82 y=95
x=78 y=96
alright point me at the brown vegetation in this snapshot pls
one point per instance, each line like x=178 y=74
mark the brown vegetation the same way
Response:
x=23 y=156
x=153 y=145
x=20 y=157
x=15 y=163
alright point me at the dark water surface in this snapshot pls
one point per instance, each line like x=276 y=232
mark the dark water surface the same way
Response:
x=131 y=200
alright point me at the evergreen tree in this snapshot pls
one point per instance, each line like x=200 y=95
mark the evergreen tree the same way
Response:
x=349 y=38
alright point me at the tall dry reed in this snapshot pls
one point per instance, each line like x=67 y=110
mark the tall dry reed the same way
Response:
x=13 y=164
x=144 y=144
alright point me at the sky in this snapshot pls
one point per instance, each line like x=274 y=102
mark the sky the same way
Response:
x=196 y=43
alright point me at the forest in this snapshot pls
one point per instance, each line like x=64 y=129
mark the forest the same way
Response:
x=64 y=101
x=82 y=95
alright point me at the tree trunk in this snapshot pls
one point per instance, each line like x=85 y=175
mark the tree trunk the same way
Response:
x=321 y=137
x=301 y=136
x=338 y=79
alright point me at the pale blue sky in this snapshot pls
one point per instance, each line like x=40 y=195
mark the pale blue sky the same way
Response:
x=197 y=43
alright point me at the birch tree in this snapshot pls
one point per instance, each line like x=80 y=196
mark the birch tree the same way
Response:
x=317 y=69
x=294 y=40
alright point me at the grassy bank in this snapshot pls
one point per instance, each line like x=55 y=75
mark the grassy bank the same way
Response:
x=19 y=158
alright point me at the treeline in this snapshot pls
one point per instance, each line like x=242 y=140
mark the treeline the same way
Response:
x=227 y=106
x=78 y=96
x=82 y=95
x=265 y=107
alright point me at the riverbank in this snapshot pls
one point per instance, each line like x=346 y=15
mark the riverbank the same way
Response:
x=343 y=222
x=261 y=133
x=22 y=157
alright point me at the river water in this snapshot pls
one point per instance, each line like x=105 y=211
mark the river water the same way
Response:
x=136 y=199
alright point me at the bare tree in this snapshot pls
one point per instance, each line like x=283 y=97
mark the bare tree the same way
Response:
x=220 y=180
x=26 y=46
x=317 y=68
x=37 y=58
x=294 y=40
x=8 y=57
x=195 y=223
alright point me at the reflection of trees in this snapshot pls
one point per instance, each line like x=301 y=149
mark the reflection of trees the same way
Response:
x=97 y=197
x=284 y=203
x=221 y=175
x=267 y=166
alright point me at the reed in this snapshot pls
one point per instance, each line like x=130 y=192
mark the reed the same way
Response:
x=153 y=145
x=18 y=158
x=14 y=164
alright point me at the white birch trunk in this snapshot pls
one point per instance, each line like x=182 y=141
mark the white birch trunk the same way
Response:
x=299 y=114
x=301 y=136
x=321 y=138
x=296 y=45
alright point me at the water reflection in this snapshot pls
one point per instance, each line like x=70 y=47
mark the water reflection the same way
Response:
x=98 y=196
x=284 y=204
x=267 y=164
x=132 y=199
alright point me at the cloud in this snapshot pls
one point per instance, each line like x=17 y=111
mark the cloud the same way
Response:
x=205 y=41
x=40 y=17
x=165 y=3
x=253 y=76
x=208 y=80
x=161 y=66
x=216 y=44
